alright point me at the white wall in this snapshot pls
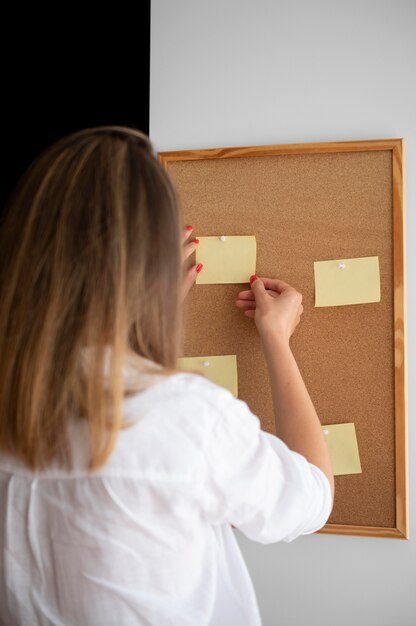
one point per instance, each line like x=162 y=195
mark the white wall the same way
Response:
x=249 y=72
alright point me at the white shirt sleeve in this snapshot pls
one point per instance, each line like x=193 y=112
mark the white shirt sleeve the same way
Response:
x=257 y=484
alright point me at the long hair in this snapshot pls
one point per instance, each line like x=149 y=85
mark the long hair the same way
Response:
x=90 y=262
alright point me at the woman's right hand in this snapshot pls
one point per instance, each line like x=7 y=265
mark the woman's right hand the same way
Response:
x=275 y=306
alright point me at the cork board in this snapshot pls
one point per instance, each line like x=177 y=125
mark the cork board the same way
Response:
x=305 y=203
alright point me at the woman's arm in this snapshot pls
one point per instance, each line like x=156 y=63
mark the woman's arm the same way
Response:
x=276 y=308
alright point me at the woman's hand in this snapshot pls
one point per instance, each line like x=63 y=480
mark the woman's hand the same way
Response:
x=189 y=273
x=274 y=305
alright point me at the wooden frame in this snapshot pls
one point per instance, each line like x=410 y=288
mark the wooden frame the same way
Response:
x=396 y=146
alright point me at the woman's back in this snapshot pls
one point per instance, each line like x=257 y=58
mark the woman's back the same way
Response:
x=147 y=539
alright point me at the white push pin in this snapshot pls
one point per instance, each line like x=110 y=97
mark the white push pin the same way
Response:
x=326 y=431
x=222 y=238
x=341 y=265
x=205 y=363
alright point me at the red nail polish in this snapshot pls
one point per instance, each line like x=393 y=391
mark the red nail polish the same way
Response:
x=253 y=278
x=189 y=228
x=195 y=240
x=199 y=267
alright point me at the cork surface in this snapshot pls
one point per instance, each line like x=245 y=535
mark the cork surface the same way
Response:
x=304 y=208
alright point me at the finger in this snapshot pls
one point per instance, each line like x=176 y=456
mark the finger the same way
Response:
x=245 y=295
x=275 y=284
x=189 y=280
x=189 y=249
x=186 y=233
x=246 y=305
x=250 y=314
x=249 y=295
x=258 y=289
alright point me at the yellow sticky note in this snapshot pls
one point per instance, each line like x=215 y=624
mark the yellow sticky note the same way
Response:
x=221 y=370
x=226 y=259
x=343 y=448
x=347 y=281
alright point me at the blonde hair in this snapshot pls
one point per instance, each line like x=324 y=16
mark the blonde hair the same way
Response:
x=89 y=258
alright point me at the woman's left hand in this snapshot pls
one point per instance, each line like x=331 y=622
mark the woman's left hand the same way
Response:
x=190 y=273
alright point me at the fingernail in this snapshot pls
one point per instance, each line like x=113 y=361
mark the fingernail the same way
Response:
x=199 y=268
x=189 y=228
x=253 y=278
x=195 y=240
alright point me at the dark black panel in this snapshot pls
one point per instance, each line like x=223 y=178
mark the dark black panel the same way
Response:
x=65 y=72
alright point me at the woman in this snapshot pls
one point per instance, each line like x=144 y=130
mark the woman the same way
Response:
x=120 y=478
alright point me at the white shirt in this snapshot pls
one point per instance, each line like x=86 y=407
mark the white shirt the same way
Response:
x=147 y=539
